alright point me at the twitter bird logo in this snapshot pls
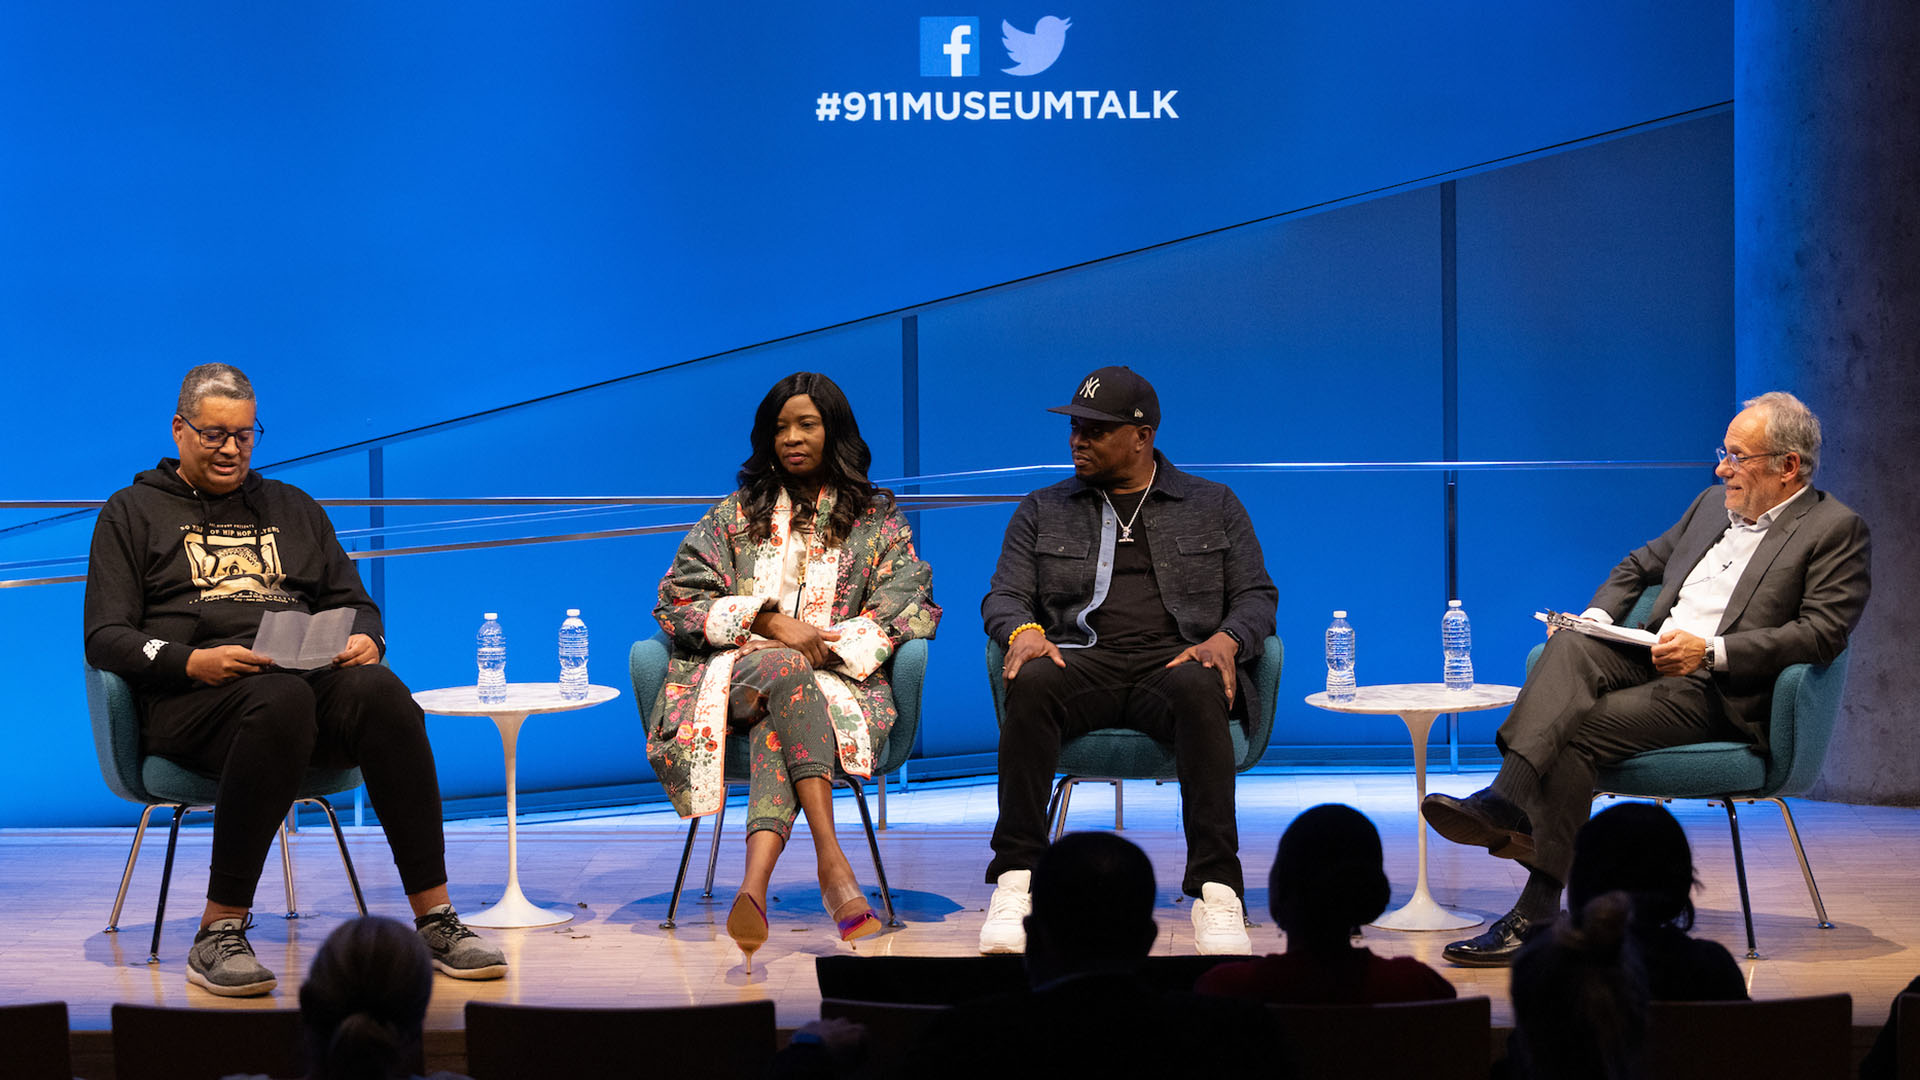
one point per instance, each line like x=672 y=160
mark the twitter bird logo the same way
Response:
x=1034 y=53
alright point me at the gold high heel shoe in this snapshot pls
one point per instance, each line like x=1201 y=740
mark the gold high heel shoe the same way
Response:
x=851 y=921
x=747 y=926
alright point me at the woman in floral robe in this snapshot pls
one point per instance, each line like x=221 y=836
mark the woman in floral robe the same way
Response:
x=784 y=604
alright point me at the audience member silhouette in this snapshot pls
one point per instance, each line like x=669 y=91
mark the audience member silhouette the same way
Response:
x=1327 y=881
x=1883 y=1060
x=1639 y=849
x=1580 y=998
x=364 y=1001
x=1087 y=1011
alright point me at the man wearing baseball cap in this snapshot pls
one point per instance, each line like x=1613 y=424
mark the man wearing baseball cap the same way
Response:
x=1131 y=595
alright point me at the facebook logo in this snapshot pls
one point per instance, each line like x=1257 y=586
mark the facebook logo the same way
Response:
x=949 y=45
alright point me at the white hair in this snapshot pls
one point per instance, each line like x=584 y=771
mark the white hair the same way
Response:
x=211 y=380
x=1791 y=428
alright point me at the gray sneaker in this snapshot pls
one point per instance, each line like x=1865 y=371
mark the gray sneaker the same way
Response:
x=457 y=950
x=221 y=962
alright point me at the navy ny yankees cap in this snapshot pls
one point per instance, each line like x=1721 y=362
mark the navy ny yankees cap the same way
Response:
x=1118 y=394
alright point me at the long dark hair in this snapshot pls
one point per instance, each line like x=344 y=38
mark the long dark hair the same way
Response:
x=364 y=1000
x=843 y=465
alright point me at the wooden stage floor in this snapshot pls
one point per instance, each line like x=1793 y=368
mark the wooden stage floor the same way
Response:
x=615 y=869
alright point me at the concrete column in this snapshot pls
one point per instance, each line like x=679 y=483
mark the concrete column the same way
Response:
x=1827 y=305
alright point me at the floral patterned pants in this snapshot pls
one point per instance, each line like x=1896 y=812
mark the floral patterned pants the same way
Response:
x=776 y=704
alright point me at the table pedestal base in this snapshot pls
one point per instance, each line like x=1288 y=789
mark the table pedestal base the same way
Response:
x=1422 y=913
x=514 y=911
x=521 y=701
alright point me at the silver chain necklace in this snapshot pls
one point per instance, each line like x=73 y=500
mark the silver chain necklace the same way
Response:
x=1126 y=527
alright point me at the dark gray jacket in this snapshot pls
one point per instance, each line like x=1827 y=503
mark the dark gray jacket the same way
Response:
x=1206 y=561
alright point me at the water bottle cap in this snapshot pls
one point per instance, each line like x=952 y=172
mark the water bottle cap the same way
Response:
x=1339 y=614
x=574 y=612
x=490 y=615
x=1453 y=603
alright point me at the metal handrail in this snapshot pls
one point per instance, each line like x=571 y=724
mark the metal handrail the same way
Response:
x=1516 y=465
x=912 y=500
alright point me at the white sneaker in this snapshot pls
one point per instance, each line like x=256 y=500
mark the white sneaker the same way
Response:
x=1219 y=923
x=1005 y=930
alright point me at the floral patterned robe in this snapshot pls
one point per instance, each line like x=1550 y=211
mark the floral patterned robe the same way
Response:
x=872 y=587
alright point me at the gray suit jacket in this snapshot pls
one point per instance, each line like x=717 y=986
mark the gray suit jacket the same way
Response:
x=1796 y=602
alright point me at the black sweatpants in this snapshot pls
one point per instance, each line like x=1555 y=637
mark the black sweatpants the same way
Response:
x=1104 y=688
x=258 y=734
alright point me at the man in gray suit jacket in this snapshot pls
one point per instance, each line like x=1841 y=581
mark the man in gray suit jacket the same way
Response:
x=1777 y=577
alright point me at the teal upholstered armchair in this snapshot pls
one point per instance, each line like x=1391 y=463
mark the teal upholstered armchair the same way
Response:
x=1806 y=706
x=155 y=781
x=906 y=672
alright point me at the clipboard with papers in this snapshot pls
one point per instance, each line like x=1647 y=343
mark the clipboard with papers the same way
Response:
x=1626 y=635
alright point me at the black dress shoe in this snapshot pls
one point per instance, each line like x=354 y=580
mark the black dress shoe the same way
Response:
x=1495 y=948
x=1482 y=819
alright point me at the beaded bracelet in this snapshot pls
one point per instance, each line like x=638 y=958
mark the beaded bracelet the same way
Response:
x=1023 y=628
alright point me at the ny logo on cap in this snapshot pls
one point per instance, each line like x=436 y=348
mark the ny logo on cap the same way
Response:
x=1090 y=387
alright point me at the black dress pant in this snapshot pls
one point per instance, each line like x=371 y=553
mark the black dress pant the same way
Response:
x=258 y=734
x=1590 y=703
x=1105 y=688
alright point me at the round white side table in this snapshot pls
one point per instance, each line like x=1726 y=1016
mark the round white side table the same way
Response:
x=523 y=700
x=1417 y=704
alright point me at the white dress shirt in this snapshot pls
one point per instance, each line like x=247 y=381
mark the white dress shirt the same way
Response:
x=1704 y=596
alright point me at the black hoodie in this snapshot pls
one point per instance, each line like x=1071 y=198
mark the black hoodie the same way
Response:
x=174 y=569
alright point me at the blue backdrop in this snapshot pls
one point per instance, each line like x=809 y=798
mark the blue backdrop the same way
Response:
x=396 y=216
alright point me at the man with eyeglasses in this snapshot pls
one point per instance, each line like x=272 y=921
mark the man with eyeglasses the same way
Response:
x=185 y=564
x=1762 y=573
x=1130 y=595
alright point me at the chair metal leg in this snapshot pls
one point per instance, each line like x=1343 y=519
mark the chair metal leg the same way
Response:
x=1740 y=872
x=126 y=876
x=1067 y=784
x=680 y=878
x=286 y=868
x=346 y=860
x=1806 y=871
x=1053 y=804
x=873 y=845
x=166 y=878
x=881 y=783
x=713 y=848
x=1119 y=807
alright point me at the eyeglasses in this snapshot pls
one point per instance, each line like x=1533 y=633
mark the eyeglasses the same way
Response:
x=1737 y=460
x=213 y=438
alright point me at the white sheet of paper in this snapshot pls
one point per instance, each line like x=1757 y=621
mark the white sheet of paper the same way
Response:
x=1626 y=635
x=298 y=641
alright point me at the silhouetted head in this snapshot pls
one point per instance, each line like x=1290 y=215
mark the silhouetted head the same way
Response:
x=1580 y=997
x=1327 y=877
x=1639 y=849
x=1092 y=907
x=804 y=440
x=365 y=999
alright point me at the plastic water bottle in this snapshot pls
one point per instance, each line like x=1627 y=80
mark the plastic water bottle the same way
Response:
x=1340 y=654
x=1456 y=639
x=573 y=657
x=493 y=661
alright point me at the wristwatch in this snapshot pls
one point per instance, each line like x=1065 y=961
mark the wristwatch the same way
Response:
x=1707 y=660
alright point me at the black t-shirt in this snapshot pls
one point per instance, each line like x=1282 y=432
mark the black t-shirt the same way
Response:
x=1133 y=616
